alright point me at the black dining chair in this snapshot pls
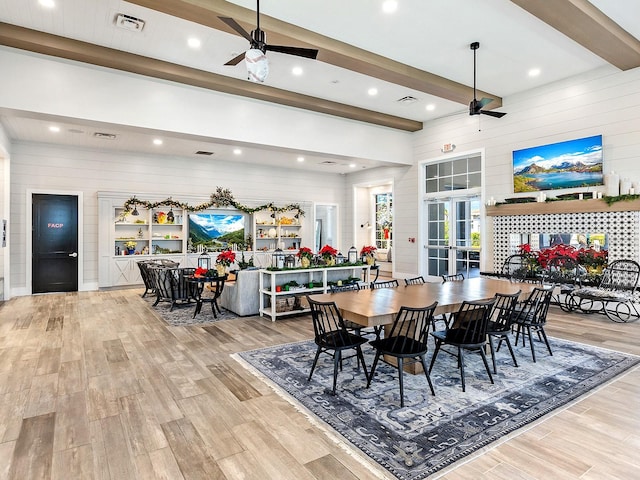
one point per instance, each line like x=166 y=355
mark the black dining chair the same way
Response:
x=499 y=326
x=332 y=337
x=458 y=277
x=349 y=287
x=468 y=332
x=531 y=315
x=407 y=340
x=415 y=280
x=385 y=284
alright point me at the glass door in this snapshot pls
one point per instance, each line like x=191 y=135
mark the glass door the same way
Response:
x=453 y=240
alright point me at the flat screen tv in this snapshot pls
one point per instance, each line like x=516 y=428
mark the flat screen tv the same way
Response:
x=571 y=164
x=216 y=230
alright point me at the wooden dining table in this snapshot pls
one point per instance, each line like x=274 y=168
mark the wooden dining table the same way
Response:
x=375 y=307
x=379 y=307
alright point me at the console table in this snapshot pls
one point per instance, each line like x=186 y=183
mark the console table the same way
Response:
x=320 y=278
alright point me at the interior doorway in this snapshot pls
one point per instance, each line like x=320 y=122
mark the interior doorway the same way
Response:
x=54 y=265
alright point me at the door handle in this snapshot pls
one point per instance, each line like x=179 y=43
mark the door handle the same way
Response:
x=74 y=254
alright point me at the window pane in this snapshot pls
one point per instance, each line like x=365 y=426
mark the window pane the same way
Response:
x=474 y=164
x=459 y=182
x=474 y=180
x=432 y=186
x=432 y=170
x=445 y=169
x=460 y=166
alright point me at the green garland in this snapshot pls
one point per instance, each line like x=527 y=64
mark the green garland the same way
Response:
x=620 y=198
x=221 y=199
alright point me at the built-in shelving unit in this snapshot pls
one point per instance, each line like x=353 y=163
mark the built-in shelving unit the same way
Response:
x=276 y=230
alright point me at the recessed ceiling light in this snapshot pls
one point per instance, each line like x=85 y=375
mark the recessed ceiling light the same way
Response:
x=372 y=91
x=53 y=128
x=47 y=3
x=431 y=107
x=237 y=151
x=157 y=141
x=301 y=159
x=352 y=165
x=389 y=6
x=297 y=71
x=534 y=72
x=194 y=42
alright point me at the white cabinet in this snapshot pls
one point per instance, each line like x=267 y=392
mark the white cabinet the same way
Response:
x=274 y=303
x=125 y=271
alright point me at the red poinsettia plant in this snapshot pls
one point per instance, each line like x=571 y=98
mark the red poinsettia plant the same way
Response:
x=328 y=251
x=368 y=250
x=201 y=272
x=226 y=258
x=305 y=252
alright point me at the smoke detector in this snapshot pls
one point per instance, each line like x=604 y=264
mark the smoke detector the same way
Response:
x=127 y=22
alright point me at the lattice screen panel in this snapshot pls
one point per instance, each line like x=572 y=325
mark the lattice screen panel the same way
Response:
x=622 y=229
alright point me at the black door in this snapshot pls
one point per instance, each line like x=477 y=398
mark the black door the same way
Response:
x=55 y=243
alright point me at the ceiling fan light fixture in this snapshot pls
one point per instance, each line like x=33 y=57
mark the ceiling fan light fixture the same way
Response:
x=257 y=65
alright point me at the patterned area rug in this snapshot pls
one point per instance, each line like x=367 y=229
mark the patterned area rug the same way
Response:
x=182 y=314
x=432 y=433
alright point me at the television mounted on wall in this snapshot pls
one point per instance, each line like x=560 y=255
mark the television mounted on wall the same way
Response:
x=216 y=231
x=571 y=164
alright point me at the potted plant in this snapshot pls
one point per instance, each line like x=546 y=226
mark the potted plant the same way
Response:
x=368 y=252
x=131 y=247
x=328 y=254
x=305 y=255
x=224 y=260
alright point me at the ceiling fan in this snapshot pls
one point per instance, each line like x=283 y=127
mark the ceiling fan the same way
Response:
x=475 y=107
x=255 y=57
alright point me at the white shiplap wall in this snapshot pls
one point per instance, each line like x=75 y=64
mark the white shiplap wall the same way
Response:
x=606 y=101
x=50 y=168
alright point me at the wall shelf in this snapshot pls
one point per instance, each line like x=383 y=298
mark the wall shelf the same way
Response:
x=562 y=206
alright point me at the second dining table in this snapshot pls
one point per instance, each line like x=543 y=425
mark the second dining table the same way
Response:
x=375 y=307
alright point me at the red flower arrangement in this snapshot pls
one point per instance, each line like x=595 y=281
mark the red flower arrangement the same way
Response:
x=200 y=272
x=226 y=258
x=328 y=251
x=368 y=250
x=305 y=252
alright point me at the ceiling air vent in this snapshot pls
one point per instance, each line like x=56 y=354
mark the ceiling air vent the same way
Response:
x=128 y=22
x=106 y=136
x=203 y=152
x=406 y=100
x=328 y=162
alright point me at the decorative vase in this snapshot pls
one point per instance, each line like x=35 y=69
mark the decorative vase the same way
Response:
x=305 y=262
x=131 y=251
x=370 y=259
x=221 y=269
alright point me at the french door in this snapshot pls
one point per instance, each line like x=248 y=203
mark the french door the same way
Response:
x=453 y=236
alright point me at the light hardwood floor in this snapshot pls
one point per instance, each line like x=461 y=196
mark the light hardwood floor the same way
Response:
x=95 y=385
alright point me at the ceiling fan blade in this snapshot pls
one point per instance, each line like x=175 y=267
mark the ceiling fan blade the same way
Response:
x=236 y=26
x=236 y=60
x=300 y=52
x=484 y=102
x=491 y=113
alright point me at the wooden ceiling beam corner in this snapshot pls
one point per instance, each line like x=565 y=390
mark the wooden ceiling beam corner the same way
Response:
x=581 y=21
x=48 y=44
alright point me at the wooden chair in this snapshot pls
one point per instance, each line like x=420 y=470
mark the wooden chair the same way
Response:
x=407 y=340
x=468 y=332
x=499 y=326
x=415 y=280
x=332 y=337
